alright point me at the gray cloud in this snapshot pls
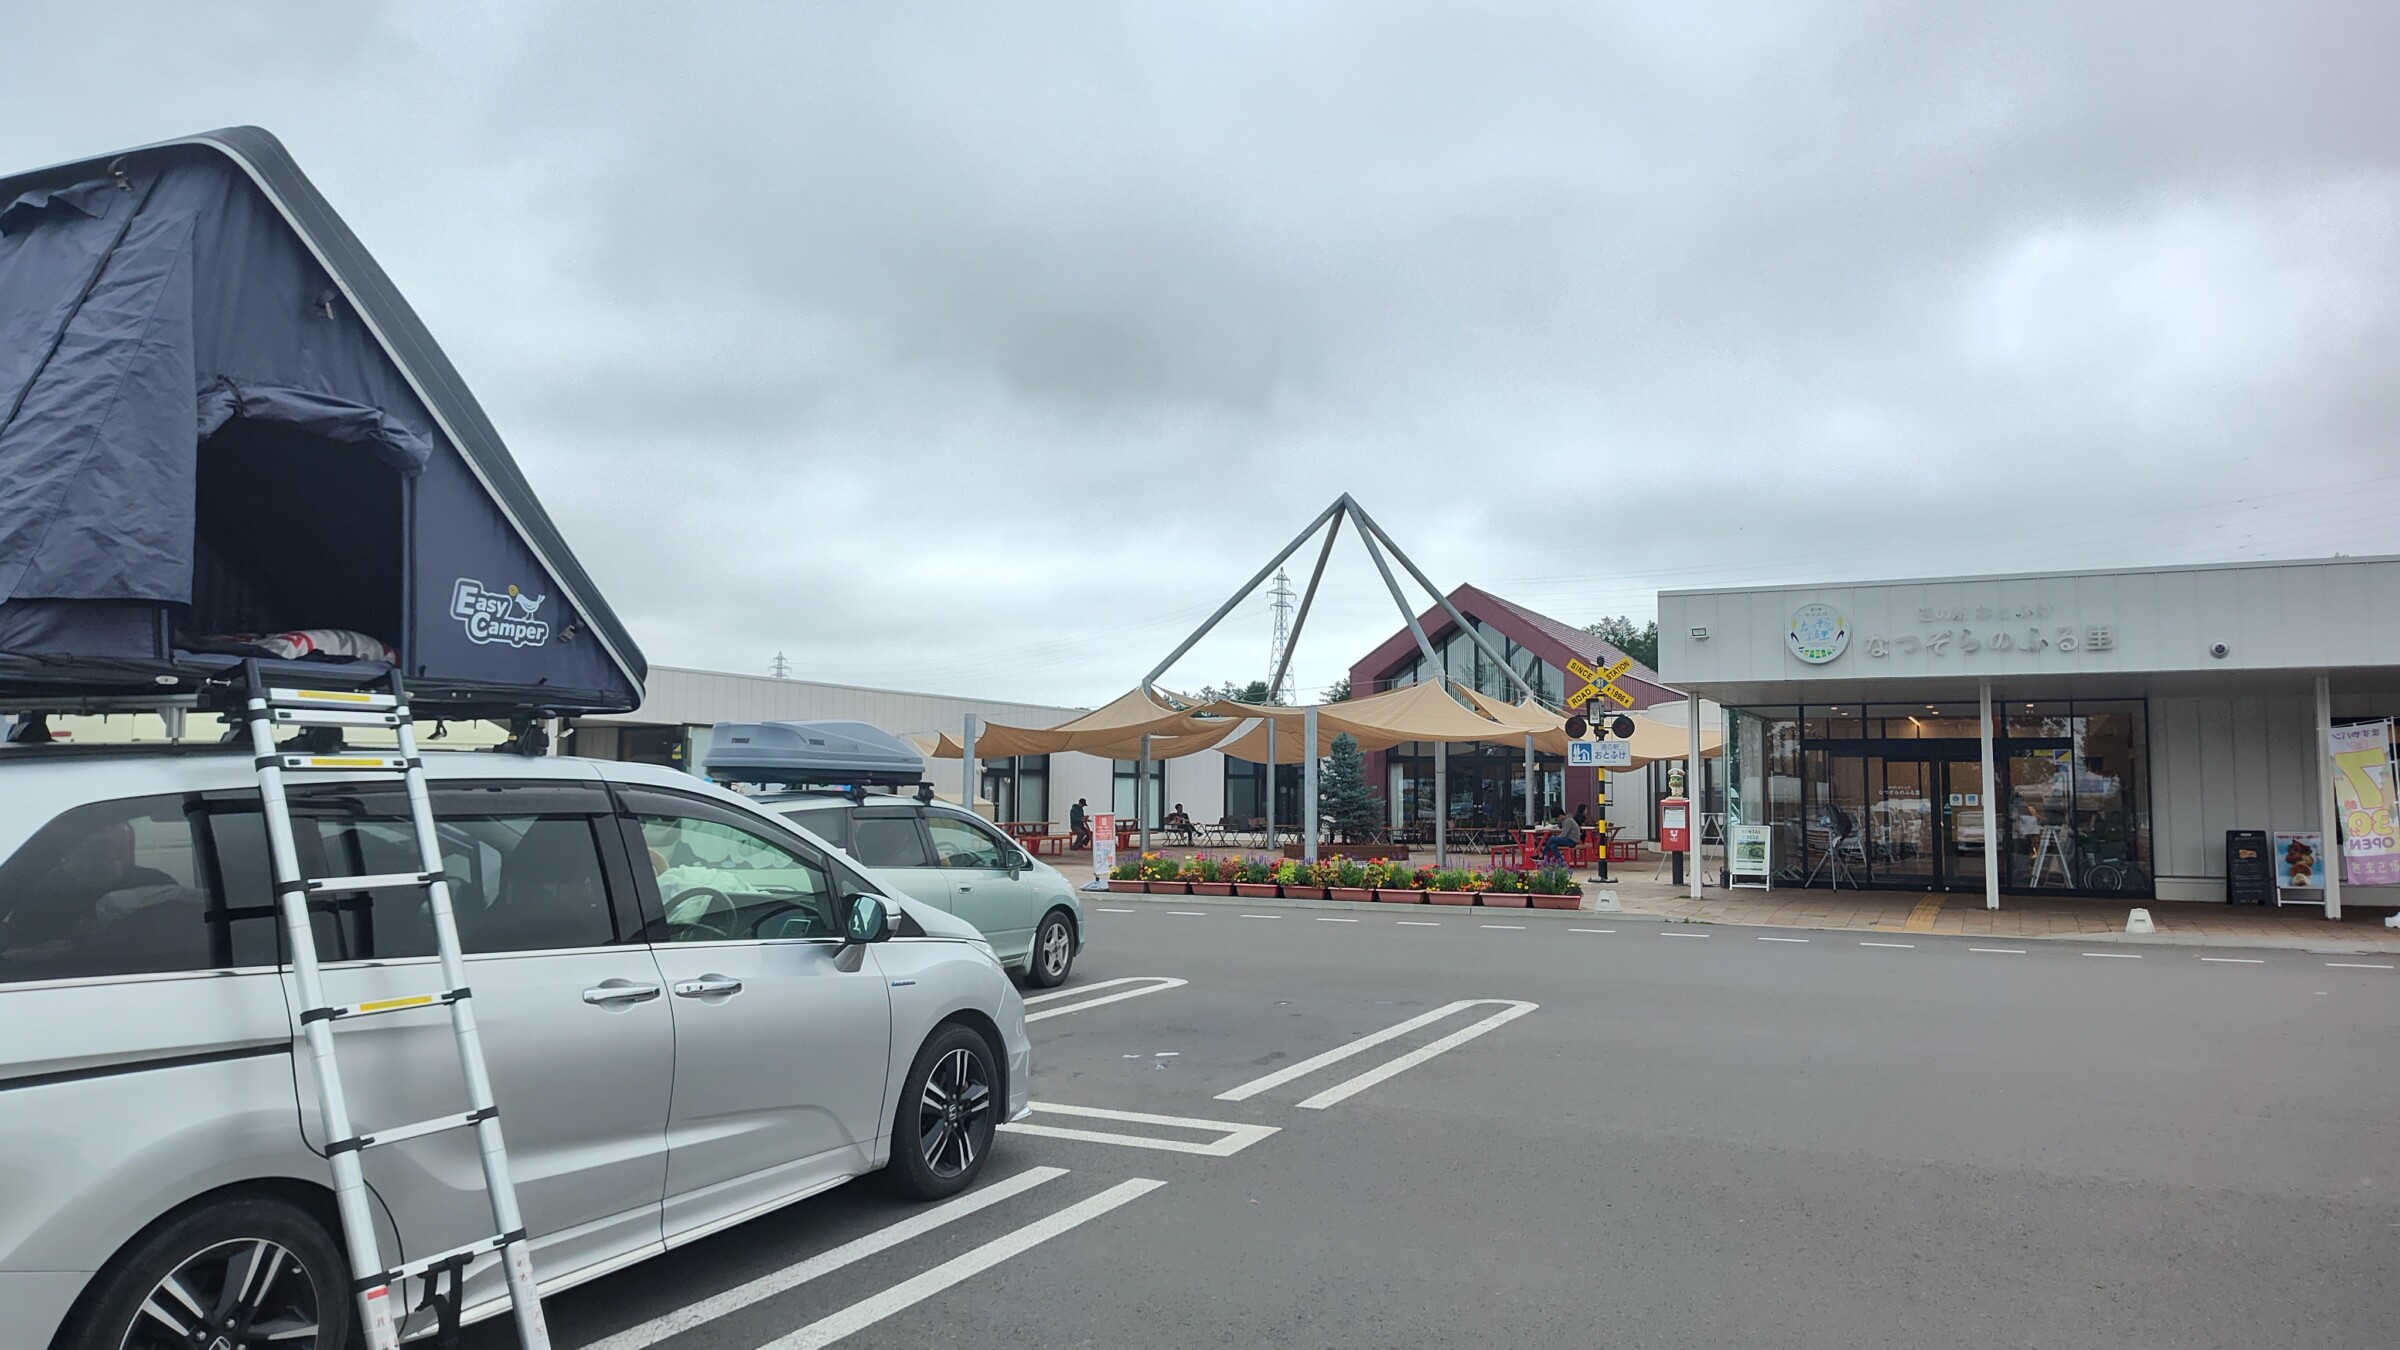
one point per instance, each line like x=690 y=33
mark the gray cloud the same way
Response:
x=983 y=348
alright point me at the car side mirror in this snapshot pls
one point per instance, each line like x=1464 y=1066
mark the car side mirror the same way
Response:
x=870 y=919
x=1018 y=861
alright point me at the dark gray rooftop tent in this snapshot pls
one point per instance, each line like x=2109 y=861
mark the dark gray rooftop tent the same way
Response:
x=217 y=416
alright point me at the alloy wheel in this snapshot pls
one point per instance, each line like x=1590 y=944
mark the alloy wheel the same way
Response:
x=1056 y=947
x=954 y=1116
x=242 y=1295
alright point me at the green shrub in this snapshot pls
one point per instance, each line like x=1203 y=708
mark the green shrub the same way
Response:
x=1348 y=872
x=1158 y=868
x=1552 y=881
x=1197 y=868
x=1257 y=871
x=1291 y=872
x=1508 y=881
x=1449 y=879
x=1125 y=871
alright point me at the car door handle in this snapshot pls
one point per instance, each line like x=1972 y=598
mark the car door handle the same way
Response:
x=619 y=991
x=706 y=985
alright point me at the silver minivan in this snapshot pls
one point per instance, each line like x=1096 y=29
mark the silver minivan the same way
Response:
x=679 y=1032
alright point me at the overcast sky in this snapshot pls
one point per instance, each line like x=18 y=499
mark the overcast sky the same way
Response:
x=985 y=349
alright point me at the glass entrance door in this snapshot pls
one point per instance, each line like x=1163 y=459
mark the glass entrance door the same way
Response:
x=1965 y=831
x=1901 y=814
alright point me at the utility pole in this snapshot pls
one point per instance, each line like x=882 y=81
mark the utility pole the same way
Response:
x=1282 y=597
x=780 y=669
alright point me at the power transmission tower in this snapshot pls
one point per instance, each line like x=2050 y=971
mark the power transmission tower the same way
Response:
x=1282 y=596
x=781 y=669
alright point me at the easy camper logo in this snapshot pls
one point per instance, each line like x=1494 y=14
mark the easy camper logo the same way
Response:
x=499 y=616
x=1818 y=634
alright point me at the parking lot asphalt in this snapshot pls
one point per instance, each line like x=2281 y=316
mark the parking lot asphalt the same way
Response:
x=1693 y=1136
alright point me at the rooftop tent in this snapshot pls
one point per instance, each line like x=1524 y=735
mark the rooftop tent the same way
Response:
x=219 y=419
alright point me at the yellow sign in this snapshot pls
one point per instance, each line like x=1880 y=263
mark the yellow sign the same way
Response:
x=1599 y=683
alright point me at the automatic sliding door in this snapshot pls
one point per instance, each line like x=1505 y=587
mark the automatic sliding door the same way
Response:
x=1900 y=837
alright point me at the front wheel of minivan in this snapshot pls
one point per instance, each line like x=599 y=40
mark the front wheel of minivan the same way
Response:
x=949 y=1107
x=1053 y=951
x=241 y=1273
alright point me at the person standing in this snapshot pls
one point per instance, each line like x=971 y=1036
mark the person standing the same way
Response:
x=1079 y=825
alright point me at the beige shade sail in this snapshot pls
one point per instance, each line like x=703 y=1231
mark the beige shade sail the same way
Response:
x=1519 y=720
x=946 y=745
x=1103 y=731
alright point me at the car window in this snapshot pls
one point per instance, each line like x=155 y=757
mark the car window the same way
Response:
x=518 y=882
x=961 y=843
x=721 y=882
x=825 y=822
x=887 y=839
x=119 y=888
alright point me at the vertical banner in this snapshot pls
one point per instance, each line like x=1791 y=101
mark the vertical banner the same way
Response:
x=2362 y=790
x=1104 y=845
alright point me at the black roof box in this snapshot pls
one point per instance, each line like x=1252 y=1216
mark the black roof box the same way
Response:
x=811 y=754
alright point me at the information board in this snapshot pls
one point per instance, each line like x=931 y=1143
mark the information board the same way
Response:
x=1750 y=859
x=1104 y=845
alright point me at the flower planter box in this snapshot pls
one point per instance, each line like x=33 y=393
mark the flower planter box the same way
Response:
x=1168 y=887
x=1212 y=888
x=1399 y=895
x=1361 y=852
x=1355 y=894
x=1555 y=901
x=1125 y=886
x=1257 y=890
x=1450 y=897
x=1503 y=899
x=1303 y=892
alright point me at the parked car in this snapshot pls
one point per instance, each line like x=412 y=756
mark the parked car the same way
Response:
x=951 y=858
x=681 y=1033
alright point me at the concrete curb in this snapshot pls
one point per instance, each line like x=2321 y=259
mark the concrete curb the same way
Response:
x=2124 y=939
x=1092 y=898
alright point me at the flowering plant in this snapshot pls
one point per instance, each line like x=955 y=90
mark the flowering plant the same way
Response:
x=1158 y=867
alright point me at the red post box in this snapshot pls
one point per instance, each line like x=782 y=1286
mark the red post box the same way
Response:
x=1675 y=825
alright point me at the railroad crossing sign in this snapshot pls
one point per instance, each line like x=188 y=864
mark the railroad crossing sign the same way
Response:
x=1599 y=683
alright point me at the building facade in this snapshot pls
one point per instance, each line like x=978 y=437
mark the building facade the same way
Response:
x=2086 y=733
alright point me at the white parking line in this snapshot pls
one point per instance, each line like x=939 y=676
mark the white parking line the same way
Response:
x=1368 y=1042
x=1512 y=927
x=1158 y=984
x=1262 y=916
x=1189 y=913
x=1352 y=1087
x=1591 y=930
x=1323 y=919
x=2236 y=960
x=1685 y=935
x=2354 y=965
x=1781 y=939
x=1904 y=946
x=910 y=1292
x=1106 y=910
x=2117 y=956
x=1237 y=1136
x=825 y=1263
x=1999 y=951
x=1418 y=923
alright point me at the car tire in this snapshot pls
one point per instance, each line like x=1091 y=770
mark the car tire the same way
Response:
x=213 y=1253
x=1053 y=952
x=950 y=1108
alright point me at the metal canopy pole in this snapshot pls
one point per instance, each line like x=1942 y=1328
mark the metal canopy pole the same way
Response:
x=1238 y=596
x=1270 y=783
x=1367 y=527
x=1424 y=643
x=1308 y=784
x=1529 y=782
x=1141 y=793
x=1991 y=803
x=1307 y=597
x=1441 y=803
x=2329 y=812
x=966 y=792
x=1696 y=789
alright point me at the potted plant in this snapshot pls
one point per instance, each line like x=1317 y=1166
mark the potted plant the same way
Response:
x=1207 y=876
x=1446 y=886
x=1297 y=881
x=1390 y=882
x=1503 y=889
x=1255 y=877
x=1554 y=888
x=1349 y=881
x=1127 y=876
x=1163 y=875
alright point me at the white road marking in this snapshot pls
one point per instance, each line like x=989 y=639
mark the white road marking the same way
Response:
x=1106 y=910
x=1782 y=939
x=2117 y=956
x=825 y=1263
x=1512 y=927
x=1351 y=1087
x=1262 y=916
x=1999 y=951
x=1591 y=930
x=1904 y=946
x=1685 y=935
x=1166 y=1054
x=1367 y=1042
x=1237 y=1136
x=1157 y=984
x=2236 y=960
x=1189 y=913
x=1419 y=923
x=1323 y=919
x=910 y=1292
x=2354 y=965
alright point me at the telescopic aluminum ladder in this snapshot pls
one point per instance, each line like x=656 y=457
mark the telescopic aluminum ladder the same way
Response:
x=268 y=709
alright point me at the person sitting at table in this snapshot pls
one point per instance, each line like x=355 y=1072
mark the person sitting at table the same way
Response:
x=1561 y=844
x=1180 y=821
x=1079 y=825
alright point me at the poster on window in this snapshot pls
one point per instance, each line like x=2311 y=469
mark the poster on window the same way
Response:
x=2362 y=789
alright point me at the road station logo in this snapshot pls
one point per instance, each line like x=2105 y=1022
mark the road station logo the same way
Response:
x=1818 y=634
x=499 y=616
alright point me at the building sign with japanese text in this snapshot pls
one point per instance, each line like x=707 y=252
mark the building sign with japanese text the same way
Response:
x=1969 y=629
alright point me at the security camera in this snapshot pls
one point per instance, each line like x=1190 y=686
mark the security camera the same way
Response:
x=2219 y=650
